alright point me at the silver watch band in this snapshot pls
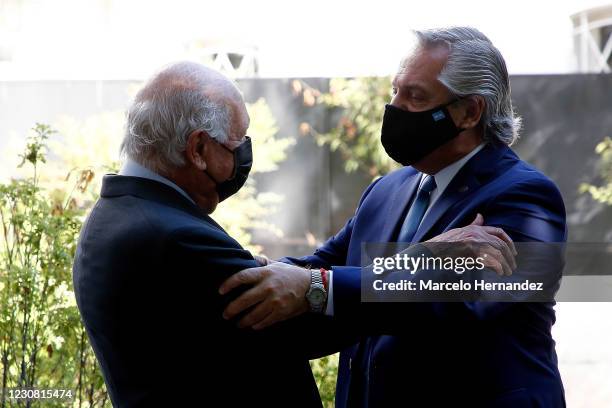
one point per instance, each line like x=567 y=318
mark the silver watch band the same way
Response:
x=317 y=295
x=315 y=277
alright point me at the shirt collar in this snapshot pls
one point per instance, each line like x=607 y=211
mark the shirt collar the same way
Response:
x=133 y=169
x=446 y=175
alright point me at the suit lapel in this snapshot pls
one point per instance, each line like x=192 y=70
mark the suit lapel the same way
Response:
x=457 y=190
x=398 y=204
x=466 y=182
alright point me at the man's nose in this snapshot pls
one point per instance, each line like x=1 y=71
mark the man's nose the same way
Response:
x=397 y=102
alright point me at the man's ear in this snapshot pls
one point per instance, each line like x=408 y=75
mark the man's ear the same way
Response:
x=473 y=109
x=195 y=149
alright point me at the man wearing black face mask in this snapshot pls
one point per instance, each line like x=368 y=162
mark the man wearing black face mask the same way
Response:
x=450 y=122
x=150 y=260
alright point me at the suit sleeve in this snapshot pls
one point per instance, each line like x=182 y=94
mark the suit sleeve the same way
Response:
x=529 y=211
x=334 y=250
x=201 y=260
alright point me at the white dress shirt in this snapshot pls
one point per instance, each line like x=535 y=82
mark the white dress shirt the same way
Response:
x=443 y=179
x=133 y=169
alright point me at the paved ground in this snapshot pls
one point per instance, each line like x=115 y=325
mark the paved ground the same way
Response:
x=584 y=345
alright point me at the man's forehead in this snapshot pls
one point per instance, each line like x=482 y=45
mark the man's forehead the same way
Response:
x=421 y=67
x=239 y=117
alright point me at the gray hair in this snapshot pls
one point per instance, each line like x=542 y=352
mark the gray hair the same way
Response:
x=476 y=67
x=172 y=105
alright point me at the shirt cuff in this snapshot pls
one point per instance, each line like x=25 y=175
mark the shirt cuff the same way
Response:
x=329 y=308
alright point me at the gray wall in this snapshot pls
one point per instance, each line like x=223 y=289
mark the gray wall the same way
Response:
x=565 y=116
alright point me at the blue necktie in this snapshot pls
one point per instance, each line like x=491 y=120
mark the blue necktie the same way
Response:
x=359 y=384
x=417 y=210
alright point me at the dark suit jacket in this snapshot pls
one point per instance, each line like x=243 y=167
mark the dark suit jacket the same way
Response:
x=146 y=274
x=473 y=354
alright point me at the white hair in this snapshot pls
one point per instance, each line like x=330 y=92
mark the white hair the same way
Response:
x=476 y=67
x=177 y=101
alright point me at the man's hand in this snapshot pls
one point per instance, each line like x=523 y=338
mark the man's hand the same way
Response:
x=477 y=240
x=261 y=260
x=278 y=293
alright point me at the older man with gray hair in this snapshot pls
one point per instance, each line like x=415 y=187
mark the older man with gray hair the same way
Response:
x=450 y=123
x=150 y=260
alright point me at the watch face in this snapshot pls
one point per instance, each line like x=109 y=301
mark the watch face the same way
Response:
x=316 y=296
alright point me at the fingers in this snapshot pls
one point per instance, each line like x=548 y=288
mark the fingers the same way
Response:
x=506 y=251
x=271 y=319
x=261 y=260
x=494 y=259
x=479 y=220
x=243 y=302
x=257 y=315
x=507 y=269
x=245 y=277
x=499 y=239
x=278 y=293
x=492 y=263
x=277 y=314
x=502 y=242
x=500 y=233
x=492 y=253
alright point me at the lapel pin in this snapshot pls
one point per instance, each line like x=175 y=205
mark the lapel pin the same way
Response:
x=463 y=189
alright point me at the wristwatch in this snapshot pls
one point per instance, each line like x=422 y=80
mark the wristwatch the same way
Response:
x=316 y=295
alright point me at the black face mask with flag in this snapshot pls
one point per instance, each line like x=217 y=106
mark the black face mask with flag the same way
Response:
x=408 y=136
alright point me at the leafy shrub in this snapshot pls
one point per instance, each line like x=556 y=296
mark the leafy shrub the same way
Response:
x=43 y=343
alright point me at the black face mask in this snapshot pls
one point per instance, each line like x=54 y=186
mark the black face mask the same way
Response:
x=243 y=161
x=410 y=136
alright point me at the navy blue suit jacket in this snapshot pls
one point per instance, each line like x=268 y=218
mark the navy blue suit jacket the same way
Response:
x=473 y=354
x=146 y=274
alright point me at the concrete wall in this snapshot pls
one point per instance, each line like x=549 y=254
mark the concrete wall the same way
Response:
x=565 y=116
